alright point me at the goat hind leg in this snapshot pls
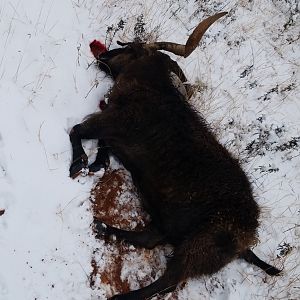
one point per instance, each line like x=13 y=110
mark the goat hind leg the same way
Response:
x=148 y=238
x=85 y=130
x=251 y=258
x=165 y=284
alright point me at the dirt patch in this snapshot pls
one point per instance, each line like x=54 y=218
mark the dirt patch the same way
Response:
x=122 y=267
x=115 y=201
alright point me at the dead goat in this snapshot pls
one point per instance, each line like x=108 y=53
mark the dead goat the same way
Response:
x=199 y=199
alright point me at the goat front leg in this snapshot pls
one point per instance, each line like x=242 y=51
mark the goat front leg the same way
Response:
x=148 y=238
x=85 y=130
x=79 y=158
x=102 y=158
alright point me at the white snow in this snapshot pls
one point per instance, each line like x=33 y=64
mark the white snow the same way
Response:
x=247 y=71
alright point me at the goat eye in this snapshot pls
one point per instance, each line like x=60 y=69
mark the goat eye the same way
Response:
x=104 y=57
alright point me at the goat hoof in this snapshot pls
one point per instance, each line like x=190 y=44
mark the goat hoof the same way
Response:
x=103 y=230
x=94 y=167
x=78 y=167
x=98 y=164
x=100 y=228
x=272 y=271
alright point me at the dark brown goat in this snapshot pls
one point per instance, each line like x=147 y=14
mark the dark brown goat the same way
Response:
x=199 y=199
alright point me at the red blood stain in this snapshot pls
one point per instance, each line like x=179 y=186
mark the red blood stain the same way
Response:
x=102 y=104
x=97 y=48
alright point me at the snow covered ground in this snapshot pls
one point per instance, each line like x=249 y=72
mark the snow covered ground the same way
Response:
x=247 y=74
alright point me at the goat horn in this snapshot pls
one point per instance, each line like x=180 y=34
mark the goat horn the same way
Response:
x=192 y=42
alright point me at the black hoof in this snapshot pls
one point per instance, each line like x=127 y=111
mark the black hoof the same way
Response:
x=77 y=167
x=101 y=162
x=272 y=271
x=100 y=229
x=95 y=167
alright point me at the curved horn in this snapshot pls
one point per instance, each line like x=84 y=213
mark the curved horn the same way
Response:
x=192 y=42
x=167 y=46
x=199 y=31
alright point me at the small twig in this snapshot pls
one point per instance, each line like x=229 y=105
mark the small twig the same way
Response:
x=94 y=61
x=93 y=86
x=44 y=148
x=296 y=226
x=75 y=84
x=78 y=54
x=87 y=276
x=39 y=135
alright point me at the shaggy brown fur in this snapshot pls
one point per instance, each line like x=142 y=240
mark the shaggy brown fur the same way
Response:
x=196 y=193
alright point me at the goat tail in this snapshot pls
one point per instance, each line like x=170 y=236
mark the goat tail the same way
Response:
x=251 y=258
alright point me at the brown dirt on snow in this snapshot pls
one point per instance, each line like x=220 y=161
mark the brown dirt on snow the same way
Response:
x=106 y=205
x=116 y=203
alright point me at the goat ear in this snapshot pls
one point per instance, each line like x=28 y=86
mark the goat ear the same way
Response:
x=124 y=44
x=199 y=31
